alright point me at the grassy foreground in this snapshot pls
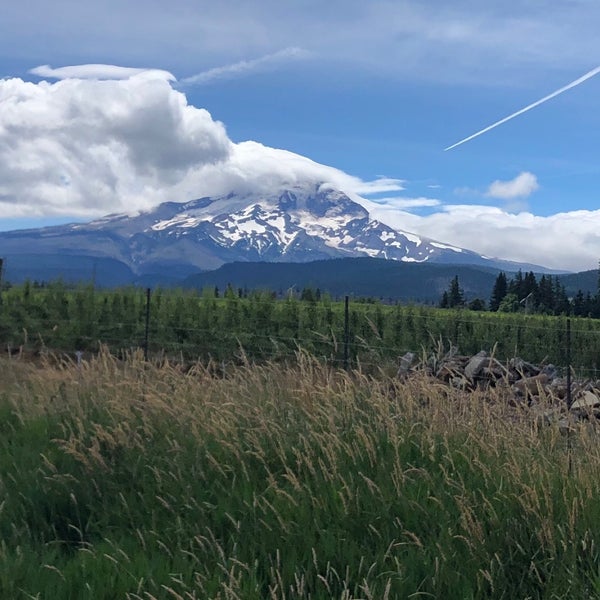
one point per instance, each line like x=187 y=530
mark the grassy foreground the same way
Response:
x=126 y=480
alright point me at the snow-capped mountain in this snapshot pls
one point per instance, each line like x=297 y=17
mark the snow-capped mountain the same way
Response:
x=296 y=224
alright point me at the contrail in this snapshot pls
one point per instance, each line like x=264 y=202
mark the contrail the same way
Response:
x=583 y=78
x=247 y=66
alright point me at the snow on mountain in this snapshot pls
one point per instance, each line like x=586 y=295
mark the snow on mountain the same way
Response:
x=279 y=227
x=296 y=224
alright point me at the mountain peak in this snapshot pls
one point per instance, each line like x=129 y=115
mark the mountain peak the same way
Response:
x=297 y=223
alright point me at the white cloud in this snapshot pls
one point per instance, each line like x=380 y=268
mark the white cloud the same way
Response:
x=245 y=67
x=522 y=186
x=86 y=147
x=83 y=147
x=379 y=185
x=568 y=241
x=400 y=202
x=96 y=71
x=253 y=167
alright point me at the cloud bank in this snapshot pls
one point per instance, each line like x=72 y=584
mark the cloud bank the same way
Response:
x=82 y=147
x=85 y=147
x=568 y=241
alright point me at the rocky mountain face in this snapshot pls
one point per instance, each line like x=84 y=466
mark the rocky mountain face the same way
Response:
x=297 y=224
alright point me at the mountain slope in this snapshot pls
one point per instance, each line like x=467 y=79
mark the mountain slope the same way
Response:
x=297 y=224
x=361 y=277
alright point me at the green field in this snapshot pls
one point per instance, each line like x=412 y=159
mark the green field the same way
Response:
x=195 y=326
x=123 y=479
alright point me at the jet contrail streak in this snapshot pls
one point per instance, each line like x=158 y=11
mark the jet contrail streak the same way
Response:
x=583 y=78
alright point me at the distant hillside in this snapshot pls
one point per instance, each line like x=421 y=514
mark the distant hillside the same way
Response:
x=75 y=269
x=106 y=272
x=361 y=277
x=586 y=281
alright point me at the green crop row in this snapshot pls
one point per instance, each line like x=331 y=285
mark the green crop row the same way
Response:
x=192 y=325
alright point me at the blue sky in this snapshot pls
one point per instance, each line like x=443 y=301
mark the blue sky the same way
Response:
x=373 y=90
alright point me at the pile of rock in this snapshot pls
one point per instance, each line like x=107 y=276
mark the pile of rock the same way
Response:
x=522 y=383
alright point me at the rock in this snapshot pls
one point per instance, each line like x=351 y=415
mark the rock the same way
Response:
x=551 y=371
x=586 y=402
x=535 y=391
x=531 y=385
x=558 y=388
x=498 y=367
x=405 y=364
x=476 y=364
x=494 y=371
x=524 y=368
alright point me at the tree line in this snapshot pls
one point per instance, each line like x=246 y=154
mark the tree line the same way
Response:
x=525 y=293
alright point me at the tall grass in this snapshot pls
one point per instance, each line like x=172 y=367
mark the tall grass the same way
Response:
x=130 y=480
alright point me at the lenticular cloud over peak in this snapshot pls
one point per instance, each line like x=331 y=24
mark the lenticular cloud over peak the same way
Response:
x=86 y=145
x=97 y=71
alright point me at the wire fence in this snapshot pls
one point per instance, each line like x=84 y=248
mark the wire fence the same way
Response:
x=191 y=326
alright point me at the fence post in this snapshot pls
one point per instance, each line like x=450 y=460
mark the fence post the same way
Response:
x=147 y=328
x=346 y=333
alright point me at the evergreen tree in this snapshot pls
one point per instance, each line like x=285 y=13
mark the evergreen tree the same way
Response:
x=499 y=291
x=579 y=304
x=454 y=296
x=515 y=285
x=444 y=301
x=530 y=286
x=562 y=305
x=545 y=295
